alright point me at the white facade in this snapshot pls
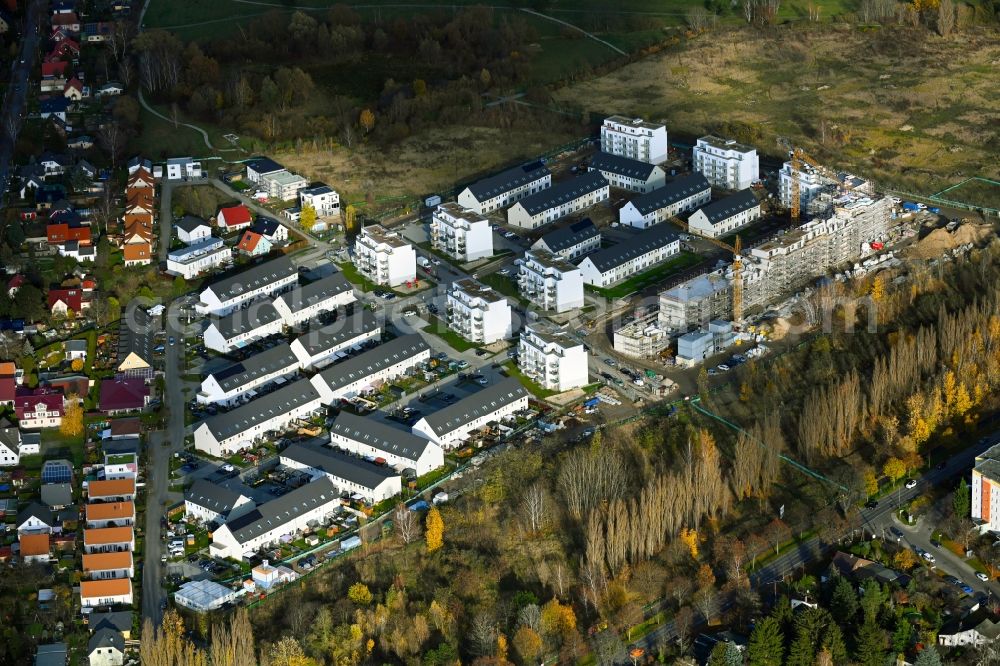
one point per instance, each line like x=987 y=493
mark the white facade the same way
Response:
x=228 y=294
x=634 y=138
x=105 y=593
x=373 y=440
x=505 y=188
x=283 y=185
x=725 y=163
x=102 y=566
x=552 y=359
x=204 y=595
x=384 y=257
x=628 y=174
x=614 y=264
x=723 y=217
x=322 y=198
x=451 y=426
x=305 y=303
x=478 y=313
x=462 y=234
x=550 y=282
x=194 y=234
x=192 y=261
x=243 y=327
x=235 y=382
x=559 y=201
x=108 y=540
x=318 y=347
x=206 y=502
x=359 y=373
x=683 y=194
x=183 y=168
x=347 y=473
x=811 y=183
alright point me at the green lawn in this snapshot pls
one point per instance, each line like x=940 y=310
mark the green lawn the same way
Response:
x=505 y=285
x=454 y=340
x=57 y=445
x=650 y=277
x=355 y=277
x=511 y=369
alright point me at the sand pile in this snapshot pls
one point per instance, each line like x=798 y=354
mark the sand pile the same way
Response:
x=940 y=241
x=971 y=233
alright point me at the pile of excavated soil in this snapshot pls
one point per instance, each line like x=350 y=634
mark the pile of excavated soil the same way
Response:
x=940 y=241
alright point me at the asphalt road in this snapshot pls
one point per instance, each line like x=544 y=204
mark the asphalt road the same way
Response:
x=13 y=111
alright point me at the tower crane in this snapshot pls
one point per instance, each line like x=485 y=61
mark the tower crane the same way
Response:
x=797 y=157
x=736 y=248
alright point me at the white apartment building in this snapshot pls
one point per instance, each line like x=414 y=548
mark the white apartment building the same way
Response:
x=725 y=163
x=376 y=440
x=384 y=257
x=552 y=358
x=349 y=474
x=725 y=216
x=462 y=234
x=679 y=196
x=559 y=200
x=319 y=346
x=281 y=517
x=451 y=426
x=243 y=327
x=224 y=434
x=238 y=381
x=370 y=369
x=232 y=292
x=283 y=185
x=634 y=138
x=572 y=241
x=191 y=261
x=503 y=189
x=323 y=198
x=478 y=313
x=639 y=253
x=811 y=183
x=208 y=502
x=550 y=282
x=324 y=295
x=628 y=174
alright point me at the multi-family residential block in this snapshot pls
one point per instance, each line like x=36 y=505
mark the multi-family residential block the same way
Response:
x=234 y=382
x=234 y=291
x=811 y=183
x=634 y=138
x=725 y=216
x=375 y=440
x=191 y=261
x=552 y=358
x=208 y=502
x=461 y=233
x=258 y=167
x=357 y=374
x=283 y=185
x=324 y=295
x=571 y=241
x=478 y=313
x=323 y=198
x=453 y=425
x=558 y=201
x=628 y=174
x=319 y=346
x=349 y=474
x=505 y=188
x=550 y=282
x=639 y=253
x=725 y=163
x=384 y=257
x=243 y=327
x=676 y=197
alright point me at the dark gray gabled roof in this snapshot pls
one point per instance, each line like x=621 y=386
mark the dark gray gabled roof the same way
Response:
x=560 y=193
x=253 y=278
x=339 y=464
x=316 y=292
x=368 y=363
x=35 y=510
x=211 y=496
x=574 y=234
x=623 y=166
x=11 y=438
x=734 y=204
x=57 y=494
x=265 y=226
x=272 y=515
x=487 y=401
x=674 y=191
x=636 y=246
x=242 y=321
x=240 y=374
x=505 y=181
x=380 y=435
x=347 y=327
x=105 y=637
x=135 y=334
x=120 y=621
x=190 y=222
x=259 y=410
x=263 y=165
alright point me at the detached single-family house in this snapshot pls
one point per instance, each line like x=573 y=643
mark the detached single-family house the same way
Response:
x=35 y=519
x=39 y=408
x=258 y=167
x=253 y=244
x=234 y=218
x=106 y=648
x=192 y=230
x=270 y=229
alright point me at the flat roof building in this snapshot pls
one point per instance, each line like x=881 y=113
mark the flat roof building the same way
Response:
x=384 y=257
x=552 y=358
x=725 y=163
x=634 y=138
x=478 y=313
x=461 y=233
x=550 y=282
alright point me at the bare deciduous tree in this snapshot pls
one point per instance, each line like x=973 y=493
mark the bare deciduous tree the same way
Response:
x=534 y=507
x=407 y=524
x=946 y=17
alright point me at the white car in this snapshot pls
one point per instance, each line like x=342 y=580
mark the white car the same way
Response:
x=436 y=262
x=983 y=577
x=912 y=483
x=929 y=557
x=228 y=468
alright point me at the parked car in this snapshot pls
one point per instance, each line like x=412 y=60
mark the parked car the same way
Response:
x=983 y=577
x=927 y=556
x=912 y=483
x=871 y=504
x=228 y=468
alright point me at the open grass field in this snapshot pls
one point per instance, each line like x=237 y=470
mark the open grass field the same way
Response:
x=975 y=191
x=908 y=109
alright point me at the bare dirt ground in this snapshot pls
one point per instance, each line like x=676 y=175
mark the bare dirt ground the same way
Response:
x=431 y=162
x=903 y=106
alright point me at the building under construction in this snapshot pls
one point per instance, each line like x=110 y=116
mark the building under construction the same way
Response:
x=782 y=266
x=642 y=338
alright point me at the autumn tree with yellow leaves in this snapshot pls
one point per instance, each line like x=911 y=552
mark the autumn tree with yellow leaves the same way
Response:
x=434 y=532
x=72 y=420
